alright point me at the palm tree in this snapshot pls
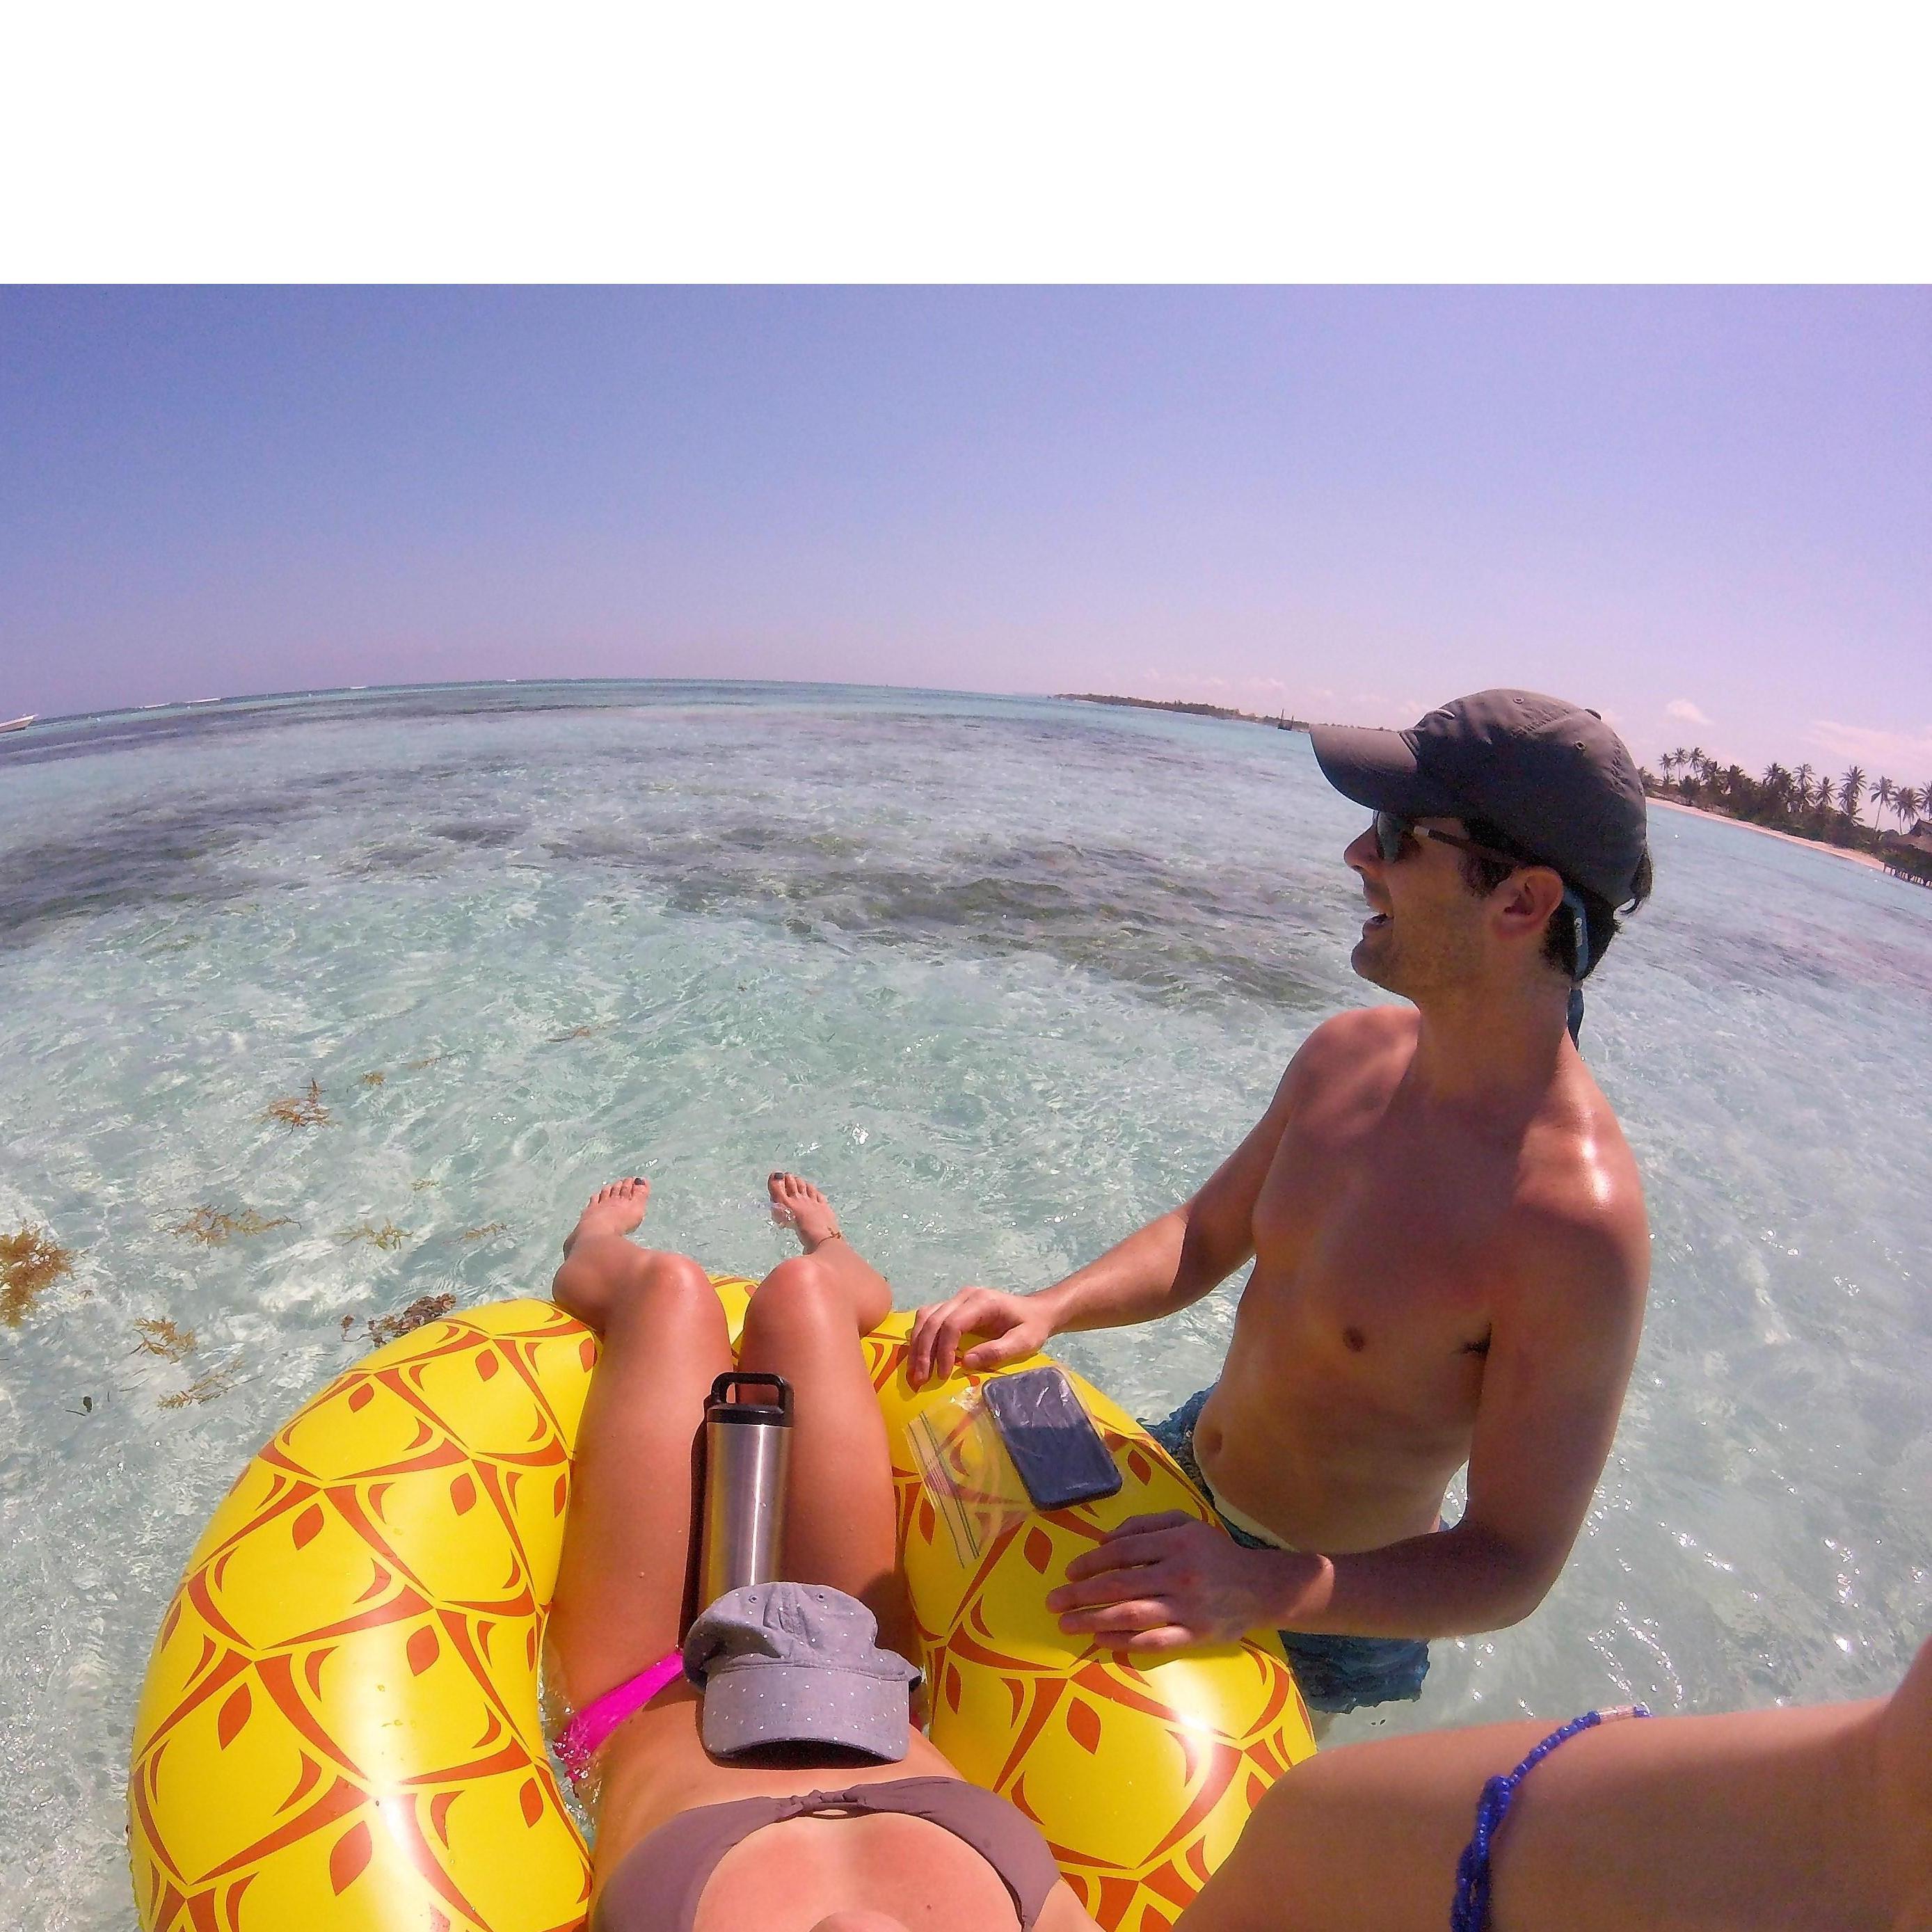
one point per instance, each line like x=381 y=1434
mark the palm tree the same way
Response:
x=1883 y=793
x=1851 y=789
x=1905 y=804
x=1804 y=775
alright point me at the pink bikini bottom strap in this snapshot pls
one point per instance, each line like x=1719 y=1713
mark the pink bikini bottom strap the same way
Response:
x=583 y=1736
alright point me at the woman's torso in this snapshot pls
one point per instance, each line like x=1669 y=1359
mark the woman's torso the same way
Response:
x=794 y=1872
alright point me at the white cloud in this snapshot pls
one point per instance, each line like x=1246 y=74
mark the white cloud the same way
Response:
x=1685 y=712
x=1893 y=752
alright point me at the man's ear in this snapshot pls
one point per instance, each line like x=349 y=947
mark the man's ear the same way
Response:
x=1525 y=901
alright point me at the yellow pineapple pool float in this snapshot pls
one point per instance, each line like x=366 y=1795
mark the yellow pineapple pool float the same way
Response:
x=339 y=1728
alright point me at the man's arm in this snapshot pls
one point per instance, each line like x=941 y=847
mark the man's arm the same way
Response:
x=1165 y=1266
x=1182 y=1255
x=1552 y=1389
x=1560 y=1356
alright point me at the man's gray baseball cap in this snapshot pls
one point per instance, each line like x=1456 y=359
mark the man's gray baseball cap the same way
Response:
x=1550 y=776
x=797 y=1664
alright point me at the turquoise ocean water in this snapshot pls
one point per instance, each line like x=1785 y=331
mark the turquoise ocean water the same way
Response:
x=1007 y=977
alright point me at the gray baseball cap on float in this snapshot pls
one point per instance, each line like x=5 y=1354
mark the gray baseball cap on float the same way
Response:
x=1549 y=775
x=790 y=1663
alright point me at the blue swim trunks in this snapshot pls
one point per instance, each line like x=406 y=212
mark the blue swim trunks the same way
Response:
x=1335 y=1673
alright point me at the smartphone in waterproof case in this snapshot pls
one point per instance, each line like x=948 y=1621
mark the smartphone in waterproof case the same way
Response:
x=1051 y=1439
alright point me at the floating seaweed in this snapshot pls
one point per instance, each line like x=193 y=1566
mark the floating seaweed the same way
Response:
x=387 y=1236
x=575 y=1032
x=418 y=1186
x=217 y=1381
x=483 y=1233
x=417 y=1065
x=30 y=1261
x=162 y=1337
x=299 y=1110
x=424 y=1308
x=375 y=1079
x=210 y=1226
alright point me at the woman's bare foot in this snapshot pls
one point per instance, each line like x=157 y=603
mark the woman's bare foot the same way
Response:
x=799 y=1204
x=614 y=1210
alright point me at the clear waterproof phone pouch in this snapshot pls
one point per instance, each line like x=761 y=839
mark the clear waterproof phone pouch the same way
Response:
x=1051 y=1439
x=990 y=1456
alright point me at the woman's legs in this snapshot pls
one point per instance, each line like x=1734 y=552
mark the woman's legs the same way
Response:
x=627 y=1542
x=805 y=1323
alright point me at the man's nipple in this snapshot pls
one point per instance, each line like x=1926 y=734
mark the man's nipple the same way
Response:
x=1356 y=1340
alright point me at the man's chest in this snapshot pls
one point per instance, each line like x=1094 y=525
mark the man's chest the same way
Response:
x=1371 y=1240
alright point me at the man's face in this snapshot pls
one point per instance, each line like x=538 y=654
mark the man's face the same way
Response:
x=1425 y=928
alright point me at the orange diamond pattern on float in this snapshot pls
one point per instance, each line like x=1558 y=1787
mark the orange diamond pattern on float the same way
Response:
x=339 y=1729
x=1139 y=1775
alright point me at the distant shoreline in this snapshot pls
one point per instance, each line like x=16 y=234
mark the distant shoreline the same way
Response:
x=1284 y=723
x=1280 y=722
x=1858 y=858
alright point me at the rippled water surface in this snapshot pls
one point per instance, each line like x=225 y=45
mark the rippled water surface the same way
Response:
x=1007 y=977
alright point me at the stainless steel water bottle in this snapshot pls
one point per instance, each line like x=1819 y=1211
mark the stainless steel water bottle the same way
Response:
x=747 y=1445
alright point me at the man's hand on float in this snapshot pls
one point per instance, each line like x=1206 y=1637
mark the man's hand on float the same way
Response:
x=1161 y=1582
x=1014 y=1326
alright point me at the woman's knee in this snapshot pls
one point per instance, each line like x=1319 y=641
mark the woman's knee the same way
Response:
x=639 y=1289
x=800 y=1296
x=670 y=1288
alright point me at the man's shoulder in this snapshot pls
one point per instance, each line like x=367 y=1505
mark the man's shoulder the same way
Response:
x=1360 y=1035
x=1358 y=1055
x=1346 y=1058
x=1578 y=1209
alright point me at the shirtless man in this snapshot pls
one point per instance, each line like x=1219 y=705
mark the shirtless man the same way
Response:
x=1448 y=1230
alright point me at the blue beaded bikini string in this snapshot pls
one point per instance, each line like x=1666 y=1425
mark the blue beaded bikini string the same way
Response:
x=1470 y=1912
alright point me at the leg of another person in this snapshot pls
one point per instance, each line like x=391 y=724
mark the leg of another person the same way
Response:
x=805 y=1323
x=623 y=1583
x=1777 y=1819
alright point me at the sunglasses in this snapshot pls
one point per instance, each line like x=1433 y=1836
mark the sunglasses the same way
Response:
x=1393 y=833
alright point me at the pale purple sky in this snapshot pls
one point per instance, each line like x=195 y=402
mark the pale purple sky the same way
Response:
x=1706 y=512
